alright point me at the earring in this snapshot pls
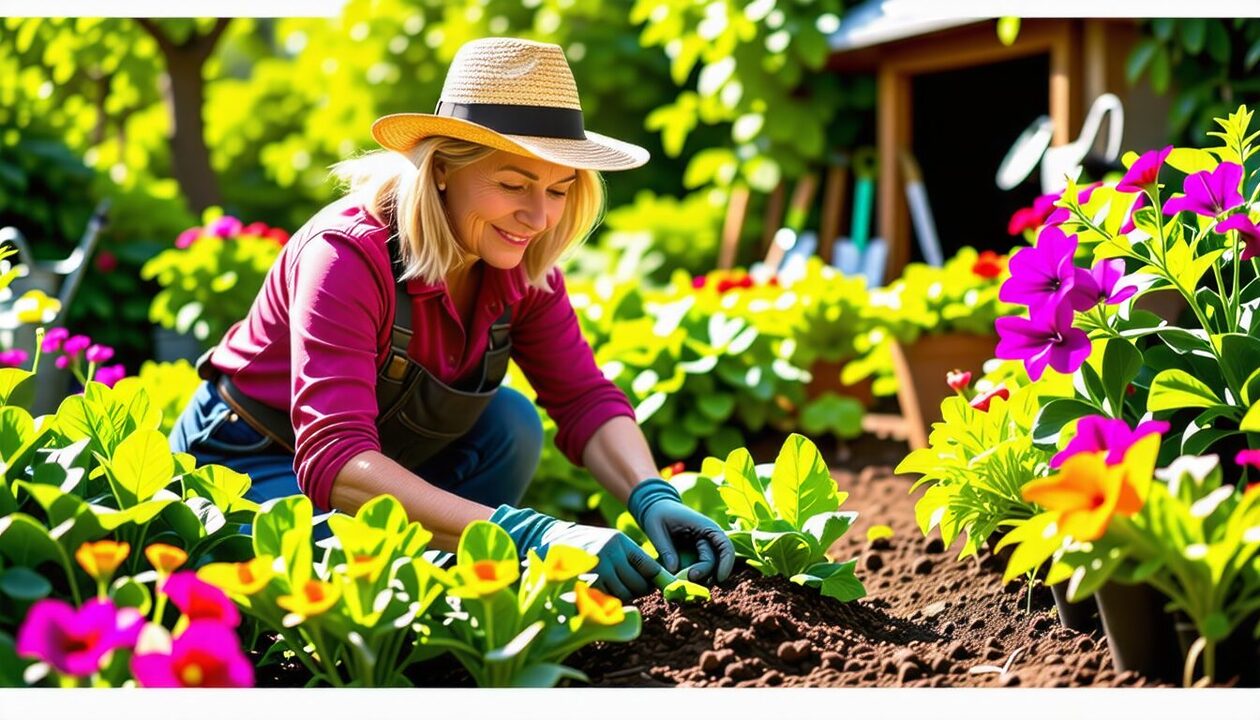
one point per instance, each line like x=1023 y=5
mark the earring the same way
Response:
x=441 y=187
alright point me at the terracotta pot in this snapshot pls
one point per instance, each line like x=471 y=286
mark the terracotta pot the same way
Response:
x=1142 y=636
x=921 y=369
x=826 y=378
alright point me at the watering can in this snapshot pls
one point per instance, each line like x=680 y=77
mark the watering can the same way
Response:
x=1059 y=163
x=56 y=278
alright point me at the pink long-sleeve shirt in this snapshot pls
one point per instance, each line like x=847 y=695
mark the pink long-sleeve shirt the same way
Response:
x=319 y=330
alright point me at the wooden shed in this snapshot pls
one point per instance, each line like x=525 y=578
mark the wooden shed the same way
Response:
x=955 y=96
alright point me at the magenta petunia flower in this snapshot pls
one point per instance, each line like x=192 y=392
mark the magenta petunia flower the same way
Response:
x=16 y=357
x=1129 y=225
x=1113 y=285
x=206 y=654
x=73 y=642
x=76 y=344
x=1209 y=193
x=187 y=238
x=1248 y=458
x=1044 y=274
x=99 y=353
x=1144 y=172
x=1047 y=338
x=225 y=227
x=1096 y=433
x=200 y=600
x=109 y=375
x=62 y=362
x=1247 y=230
x=53 y=339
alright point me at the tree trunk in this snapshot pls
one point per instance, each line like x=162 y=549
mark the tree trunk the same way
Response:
x=185 y=99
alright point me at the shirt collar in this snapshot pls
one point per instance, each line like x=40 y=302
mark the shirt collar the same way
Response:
x=507 y=286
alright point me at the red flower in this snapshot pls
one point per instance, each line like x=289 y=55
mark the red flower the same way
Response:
x=989 y=265
x=725 y=284
x=280 y=236
x=257 y=229
x=106 y=261
x=958 y=380
x=981 y=401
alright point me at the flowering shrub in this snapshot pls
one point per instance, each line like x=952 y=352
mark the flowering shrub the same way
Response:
x=209 y=279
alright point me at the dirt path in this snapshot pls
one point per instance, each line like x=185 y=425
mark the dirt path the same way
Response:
x=927 y=620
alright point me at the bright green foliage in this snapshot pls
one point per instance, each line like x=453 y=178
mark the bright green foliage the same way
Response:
x=169 y=386
x=356 y=605
x=783 y=519
x=100 y=468
x=671 y=234
x=514 y=630
x=976 y=465
x=209 y=285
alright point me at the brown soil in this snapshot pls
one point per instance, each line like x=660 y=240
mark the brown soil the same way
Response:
x=928 y=620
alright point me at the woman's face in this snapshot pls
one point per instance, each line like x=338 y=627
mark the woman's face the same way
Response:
x=500 y=204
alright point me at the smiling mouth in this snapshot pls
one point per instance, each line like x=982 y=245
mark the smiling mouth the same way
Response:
x=513 y=239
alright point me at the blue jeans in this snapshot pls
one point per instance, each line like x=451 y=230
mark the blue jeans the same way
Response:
x=492 y=464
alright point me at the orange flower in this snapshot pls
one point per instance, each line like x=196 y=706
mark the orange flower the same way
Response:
x=244 y=578
x=565 y=563
x=101 y=559
x=313 y=598
x=164 y=558
x=485 y=577
x=1087 y=492
x=365 y=567
x=598 y=607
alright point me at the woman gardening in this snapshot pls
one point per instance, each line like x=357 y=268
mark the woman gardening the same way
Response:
x=371 y=360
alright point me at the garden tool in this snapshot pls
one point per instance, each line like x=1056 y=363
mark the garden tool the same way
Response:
x=921 y=211
x=859 y=254
x=1059 y=163
x=786 y=238
x=835 y=195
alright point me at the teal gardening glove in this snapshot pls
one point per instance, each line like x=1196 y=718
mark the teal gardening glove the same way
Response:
x=624 y=569
x=673 y=527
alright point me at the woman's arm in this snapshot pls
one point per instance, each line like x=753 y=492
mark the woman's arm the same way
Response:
x=618 y=456
x=442 y=513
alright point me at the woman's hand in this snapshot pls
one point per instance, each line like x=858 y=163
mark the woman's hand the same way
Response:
x=671 y=526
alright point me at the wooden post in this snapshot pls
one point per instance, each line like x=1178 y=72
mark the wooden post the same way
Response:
x=736 y=209
x=773 y=217
x=832 y=210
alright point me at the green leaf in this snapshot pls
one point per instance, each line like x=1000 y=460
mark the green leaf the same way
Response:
x=801 y=485
x=717 y=406
x=835 y=580
x=1007 y=30
x=1251 y=421
x=484 y=540
x=786 y=552
x=17 y=387
x=1037 y=540
x=1176 y=389
x=1139 y=59
x=1120 y=366
x=1191 y=160
x=1088 y=577
x=1054 y=415
x=126 y=592
x=25 y=541
x=742 y=491
x=1240 y=359
x=23 y=584
x=277 y=521
x=826 y=528
x=142 y=465
x=546 y=675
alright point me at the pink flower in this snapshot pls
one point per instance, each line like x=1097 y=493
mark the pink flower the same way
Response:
x=187 y=238
x=1044 y=275
x=958 y=380
x=697 y=282
x=206 y=654
x=13 y=358
x=1247 y=231
x=106 y=261
x=53 y=339
x=1209 y=192
x=225 y=227
x=1109 y=277
x=62 y=362
x=1046 y=338
x=109 y=375
x=1144 y=173
x=200 y=600
x=1129 y=226
x=76 y=344
x=73 y=641
x=981 y=402
x=1248 y=458
x=99 y=354
x=1096 y=433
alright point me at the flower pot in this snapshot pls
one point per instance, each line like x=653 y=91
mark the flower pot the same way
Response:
x=826 y=378
x=169 y=346
x=1080 y=616
x=1140 y=633
x=1166 y=304
x=1237 y=656
x=921 y=369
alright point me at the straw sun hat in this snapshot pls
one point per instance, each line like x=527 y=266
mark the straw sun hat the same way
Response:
x=513 y=95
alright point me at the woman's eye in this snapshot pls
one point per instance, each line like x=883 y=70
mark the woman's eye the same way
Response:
x=557 y=193
x=513 y=188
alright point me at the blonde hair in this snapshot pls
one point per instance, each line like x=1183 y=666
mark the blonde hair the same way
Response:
x=401 y=191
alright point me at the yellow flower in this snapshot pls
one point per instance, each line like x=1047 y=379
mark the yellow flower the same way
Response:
x=36 y=308
x=485 y=577
x=565 y=563
x=101 y=559
x=365 y=567
x=244 y=578
x=164 y=558
x=598 y=607
x=1087 y=492
x=313 y=598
